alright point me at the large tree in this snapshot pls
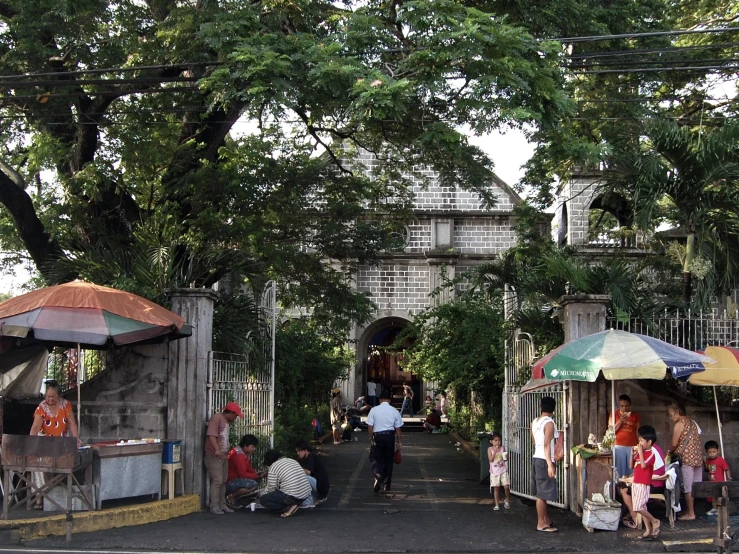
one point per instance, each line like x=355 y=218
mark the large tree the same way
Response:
x=217 y=136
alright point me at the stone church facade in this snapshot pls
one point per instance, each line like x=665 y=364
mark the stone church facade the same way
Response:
x=451 y=232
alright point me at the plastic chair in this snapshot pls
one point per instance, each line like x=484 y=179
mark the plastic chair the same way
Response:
x=169 y=483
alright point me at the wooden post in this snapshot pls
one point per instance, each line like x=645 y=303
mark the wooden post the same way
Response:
x=187 y=375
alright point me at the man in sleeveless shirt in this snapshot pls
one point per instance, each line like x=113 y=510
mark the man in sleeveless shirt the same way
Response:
x=544 y=473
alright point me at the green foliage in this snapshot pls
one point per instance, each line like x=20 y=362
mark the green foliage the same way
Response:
x=104 y=171
x=460 y=345
x=307 y=367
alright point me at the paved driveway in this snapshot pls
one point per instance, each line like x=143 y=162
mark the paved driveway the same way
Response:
x=437 y=505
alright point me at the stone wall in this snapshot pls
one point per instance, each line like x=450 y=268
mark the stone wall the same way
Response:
x=129 y=399
x=398 y=285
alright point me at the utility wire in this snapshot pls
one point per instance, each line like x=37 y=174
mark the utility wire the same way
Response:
x=111 y=70
x=584 y=64
x=666 y=50
x=653 y=69
x=597 y=38
x=98 y=93
x=137 y=80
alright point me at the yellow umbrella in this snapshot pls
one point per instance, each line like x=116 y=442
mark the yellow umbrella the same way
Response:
x=724 y=373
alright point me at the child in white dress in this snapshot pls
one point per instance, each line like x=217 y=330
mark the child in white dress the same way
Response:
x=498 y=458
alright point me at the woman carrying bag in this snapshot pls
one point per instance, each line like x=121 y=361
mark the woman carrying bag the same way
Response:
x=686 y=447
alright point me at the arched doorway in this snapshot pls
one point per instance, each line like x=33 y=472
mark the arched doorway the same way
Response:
x=383 y=364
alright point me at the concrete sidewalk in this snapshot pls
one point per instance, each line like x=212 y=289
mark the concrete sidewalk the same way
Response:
x=436 y=505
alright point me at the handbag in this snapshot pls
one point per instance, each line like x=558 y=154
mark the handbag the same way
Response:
x=559 y=447
x=396 y=456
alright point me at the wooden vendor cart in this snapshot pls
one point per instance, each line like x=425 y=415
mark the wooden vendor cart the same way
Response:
x=57 y=458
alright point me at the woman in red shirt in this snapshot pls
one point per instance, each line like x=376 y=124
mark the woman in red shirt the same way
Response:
x=625 y=424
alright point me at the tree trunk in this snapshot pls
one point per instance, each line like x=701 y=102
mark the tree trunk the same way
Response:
x=687 y=276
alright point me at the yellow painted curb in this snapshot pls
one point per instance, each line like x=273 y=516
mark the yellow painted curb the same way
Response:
x=84 y=522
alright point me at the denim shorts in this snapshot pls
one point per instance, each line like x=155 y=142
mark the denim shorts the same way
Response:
x=240 y=483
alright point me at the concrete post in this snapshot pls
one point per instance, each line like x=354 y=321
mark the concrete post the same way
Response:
x=187 y=374
x=583 y=314
x=586 y=405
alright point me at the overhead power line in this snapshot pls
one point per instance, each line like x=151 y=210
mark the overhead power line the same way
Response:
x=111 y=70
x=665 y=50
x=596 y=38
x=658 y=69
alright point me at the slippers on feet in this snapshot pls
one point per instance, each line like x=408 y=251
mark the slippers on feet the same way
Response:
x=644 y=538
x=656 y=532
x=290 y=511
x=548 y=529
x=685 y=518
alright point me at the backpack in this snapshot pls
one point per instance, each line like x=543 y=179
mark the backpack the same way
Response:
x=317 y=426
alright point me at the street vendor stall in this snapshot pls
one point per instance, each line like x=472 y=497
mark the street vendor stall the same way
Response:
x=57 y=457
x=127 y=468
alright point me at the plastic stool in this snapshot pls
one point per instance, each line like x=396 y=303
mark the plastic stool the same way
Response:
x=169 y=483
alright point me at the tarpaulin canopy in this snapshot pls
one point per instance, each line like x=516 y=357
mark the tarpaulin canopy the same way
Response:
x=22 y=372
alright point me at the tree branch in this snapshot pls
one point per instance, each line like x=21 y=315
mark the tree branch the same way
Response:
x=320 y=141
x=6 y=11
x=44 y=250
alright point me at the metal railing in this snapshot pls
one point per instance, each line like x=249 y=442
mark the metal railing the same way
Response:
x=66 y=365
x=691 y=330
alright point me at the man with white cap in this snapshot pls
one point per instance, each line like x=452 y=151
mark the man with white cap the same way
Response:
x=216 y=455
x=337 y=414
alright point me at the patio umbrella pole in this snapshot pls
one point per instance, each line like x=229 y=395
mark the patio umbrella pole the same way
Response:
x=79 y=382
x=613 y=446
x=718 y=420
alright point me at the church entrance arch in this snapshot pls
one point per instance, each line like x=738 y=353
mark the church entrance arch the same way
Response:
x=382 y=364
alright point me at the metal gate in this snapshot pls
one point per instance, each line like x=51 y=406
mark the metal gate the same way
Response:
x=248 y=379
x=523 y=408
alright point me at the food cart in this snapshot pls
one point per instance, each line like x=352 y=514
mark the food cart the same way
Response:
x=123 y=469
x=57 y=457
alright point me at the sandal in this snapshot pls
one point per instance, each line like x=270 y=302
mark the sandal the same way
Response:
x=630 y=523
x=290 y=511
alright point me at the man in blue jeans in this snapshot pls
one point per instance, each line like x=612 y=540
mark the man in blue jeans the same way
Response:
x=407 y=400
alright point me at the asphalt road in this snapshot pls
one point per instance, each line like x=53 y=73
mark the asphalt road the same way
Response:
x=436 y=505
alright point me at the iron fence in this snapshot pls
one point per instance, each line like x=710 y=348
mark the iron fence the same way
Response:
x=691 y=330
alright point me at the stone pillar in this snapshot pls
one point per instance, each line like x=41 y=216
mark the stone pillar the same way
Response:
x=437 y=276
x=583 y=314
x=587 y=403
x=575 y=198
x=187 y=376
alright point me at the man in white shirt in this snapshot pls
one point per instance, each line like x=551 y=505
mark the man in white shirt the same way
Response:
x=544 y=474
x=384 y=423
x=372 y=393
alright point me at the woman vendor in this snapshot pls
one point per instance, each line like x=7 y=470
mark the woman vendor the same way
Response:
x=625 y=423
x=686 y=443
x=53 y=418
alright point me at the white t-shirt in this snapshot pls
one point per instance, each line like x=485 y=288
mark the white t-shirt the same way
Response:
x=370 y=389
x=384 y=418
x=537 y=427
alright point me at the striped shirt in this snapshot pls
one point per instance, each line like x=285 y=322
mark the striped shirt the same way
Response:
x=287 y=476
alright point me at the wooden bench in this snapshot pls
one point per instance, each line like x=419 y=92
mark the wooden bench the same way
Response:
x=722 y=492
